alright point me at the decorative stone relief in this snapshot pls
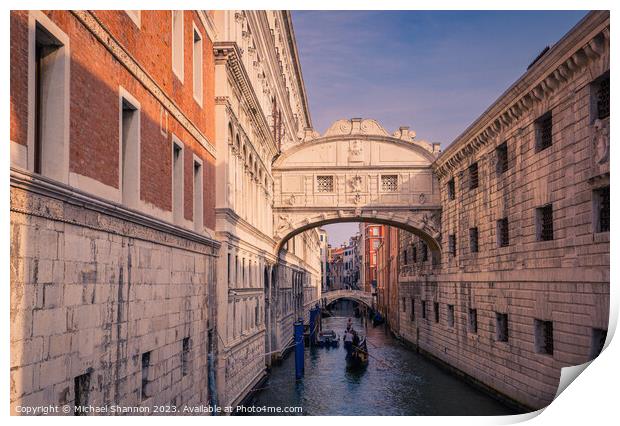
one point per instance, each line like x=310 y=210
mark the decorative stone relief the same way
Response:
x=356 y=183
x=600 y=137
x=356 y=151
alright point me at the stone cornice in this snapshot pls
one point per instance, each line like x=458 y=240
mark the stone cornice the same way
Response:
x=208 y=24
x=229 y=52
x=92 y=24
x=288 y=25
x=586 y=42
x=166 y=233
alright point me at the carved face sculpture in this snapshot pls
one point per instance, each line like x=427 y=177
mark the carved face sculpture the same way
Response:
x=601 y=142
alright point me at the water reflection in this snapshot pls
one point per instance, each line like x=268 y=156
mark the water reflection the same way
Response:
x=397 y=381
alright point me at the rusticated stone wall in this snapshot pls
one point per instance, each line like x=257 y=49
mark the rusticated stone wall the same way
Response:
x=93 y=291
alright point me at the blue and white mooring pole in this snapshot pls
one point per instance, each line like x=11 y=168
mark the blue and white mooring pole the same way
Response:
x=299 y=348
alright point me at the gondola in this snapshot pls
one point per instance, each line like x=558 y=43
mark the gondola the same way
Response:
x=359 y=355
x=328 y=339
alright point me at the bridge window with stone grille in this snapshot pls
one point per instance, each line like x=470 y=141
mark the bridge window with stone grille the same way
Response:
x=450 y=315
x=544 y=131
x=601 y=209
x=473 y=240
x=501 y=327
x=452 y=244
x=325 y=183
x=544 y=223
x=473 y=321
x=424 y=252
x=451 y=190
x=600 y=97
x=389 y=183
x=473 y=176
x=503 y=237
x=543 y=336
x=502 y=158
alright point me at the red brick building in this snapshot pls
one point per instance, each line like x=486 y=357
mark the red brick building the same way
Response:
x=387 y=269
x=112 y=206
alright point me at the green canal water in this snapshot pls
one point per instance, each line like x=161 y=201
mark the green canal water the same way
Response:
x=397 y=381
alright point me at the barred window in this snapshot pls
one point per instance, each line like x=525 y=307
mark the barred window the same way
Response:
x=544 y=223
x=601 y=93
x=451 y=191
x=412 y=309
x=501 y=327
x=325 y=183
x=601 y=209
x=414 y=254
x=543 y=336
x=598 y=342
x=544 y=131
x=502 y=158
x=424 y=252
x=503 y=238
x=473 y=176
x=473 y=321
x=424 y=309
x=389 y=183
x=436 y=312
x=452 y=244
x=405 y=256
x=450 y=315
x=473 y=240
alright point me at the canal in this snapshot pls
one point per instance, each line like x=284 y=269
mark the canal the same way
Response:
x=397 y=381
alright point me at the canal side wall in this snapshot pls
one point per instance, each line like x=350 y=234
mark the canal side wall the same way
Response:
x=93 y=289
x=512 y=314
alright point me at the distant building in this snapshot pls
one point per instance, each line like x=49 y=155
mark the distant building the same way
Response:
x=371 y=236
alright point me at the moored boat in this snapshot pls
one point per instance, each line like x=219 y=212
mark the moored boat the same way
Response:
x=328 y=339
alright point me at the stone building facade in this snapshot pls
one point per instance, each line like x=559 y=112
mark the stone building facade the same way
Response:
x=522 y=288
x=263 y=287
x=112 y=208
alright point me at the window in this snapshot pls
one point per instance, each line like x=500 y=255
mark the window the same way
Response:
x=424 y=252
x=451 y=190
x=198 y=70
x=412 y=309
x=374 y=231
x=544 y=223
x=600 y=200
x=600 y=97
x=543 y=127
x=452 y=244
x=501 y=327
x=414 y=254
x=198 y=197
x=473 y=321
x=598 y=342
x=185 y=348
x=177 y=43
x=473 y=240
x=228 y=266
x=81 y=391
x=503 y=237
x=501 y=153
x=436 y=312
x=424 y=309
x=405 y=256
x=49 y=53
x=146 y=361
x=325 y=183
x=543 y=336
x=376 y=244
x=450 y=315
x=404 y=305
x=473 y=176
x=177 y=182
x=389 y=183
x=130 y=152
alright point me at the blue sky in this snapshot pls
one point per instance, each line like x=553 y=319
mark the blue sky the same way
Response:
x=435 y=71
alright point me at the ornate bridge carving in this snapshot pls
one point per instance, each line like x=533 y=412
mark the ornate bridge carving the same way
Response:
x=357 y=295
x=357 y=171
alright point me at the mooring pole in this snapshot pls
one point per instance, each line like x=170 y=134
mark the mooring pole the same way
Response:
x=299 y=348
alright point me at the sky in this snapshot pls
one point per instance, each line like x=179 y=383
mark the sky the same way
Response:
x=434 y=71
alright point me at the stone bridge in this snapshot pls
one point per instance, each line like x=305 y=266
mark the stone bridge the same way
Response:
x=357 y=172
x=356 y=295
